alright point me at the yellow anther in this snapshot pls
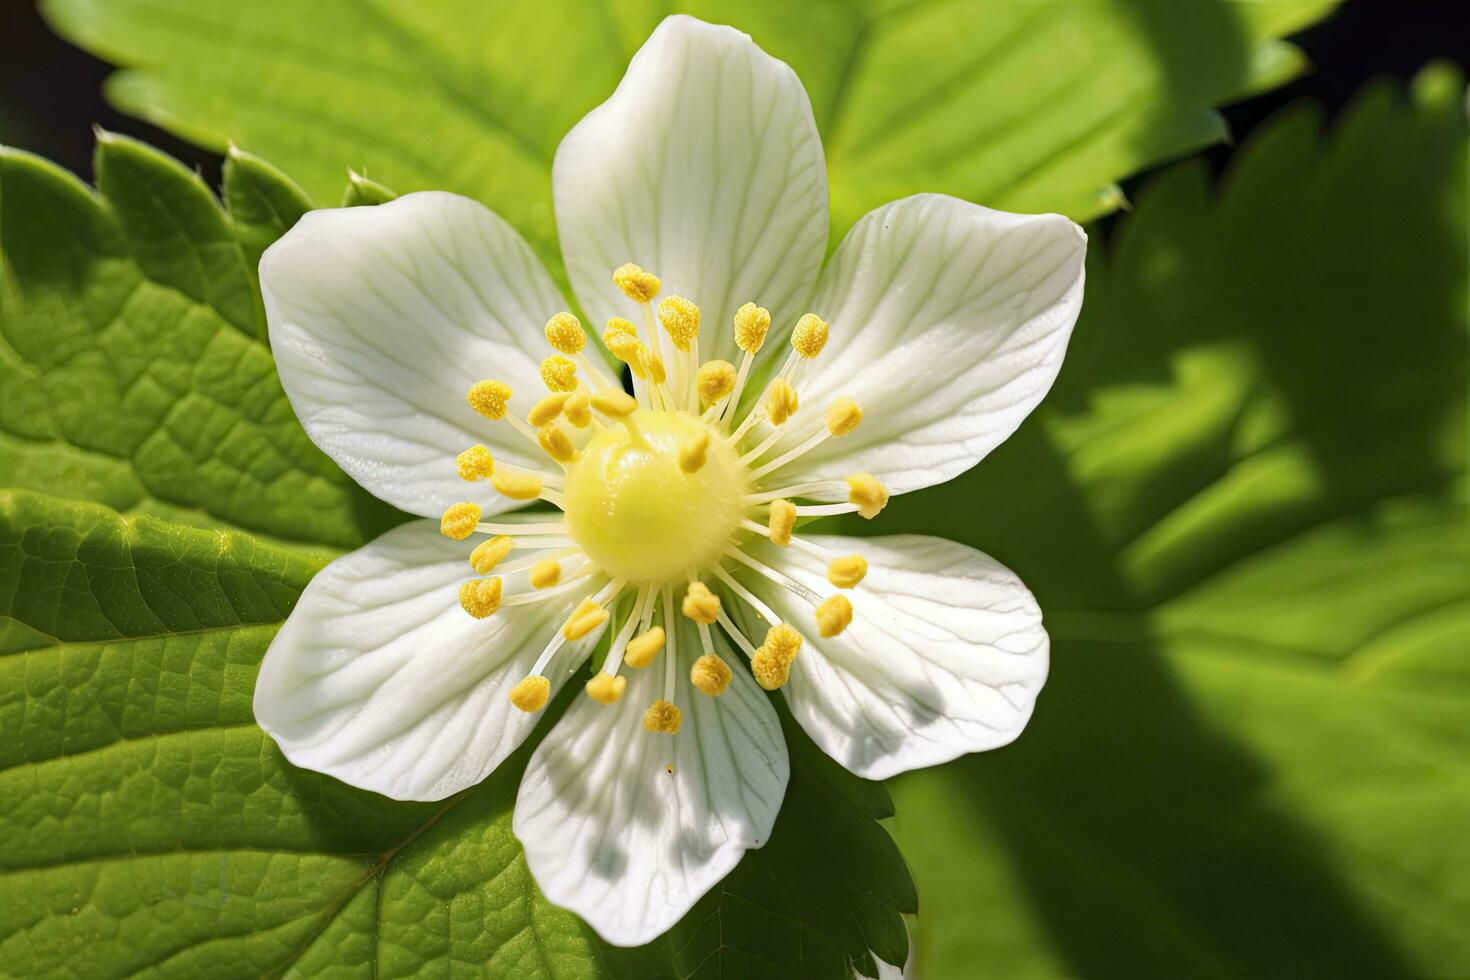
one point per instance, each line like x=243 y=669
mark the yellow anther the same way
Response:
x=870 y=496
x=559 y=374
x=578 y=409
x=810 y=336
x=531 y=694
x=834 y=615
x=489 y=398
x=715 y=380
x=700 y=604
x=488 y=554
x=480 y=597
x=459 y=521
x=643 y=649
x=782 y=642
x=656 y=372
x=843 y=415
x=517 y=486
x=605 y=688
x=781 y=402
x=782 y=522
x=636 y=284
x=711 y=675
x=475 y=463
x=663 y=718
x=751 y=324
x=615 y=404
x=847 y=571
x=626 y=348
x=557 y=443
x=564 y=332
x=769 y=670
x=583 y=620
x=544 y=574
x=681 y=319
x=618 y=326
x=694 y=452
x=547 y=409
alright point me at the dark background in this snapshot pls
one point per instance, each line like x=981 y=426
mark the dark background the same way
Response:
x=51 y=93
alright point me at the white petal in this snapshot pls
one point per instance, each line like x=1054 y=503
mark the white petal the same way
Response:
x=381 y=318
x=705 y=168
x=948 y=326
x=945 y=655
x=612 y=835
x=380 y=679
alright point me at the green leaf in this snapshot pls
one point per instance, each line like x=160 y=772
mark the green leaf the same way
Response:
x=1243 y=511
x=1033 y=106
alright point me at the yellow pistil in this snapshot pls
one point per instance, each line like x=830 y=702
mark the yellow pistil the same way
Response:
x=663 y=718
x=843 y=415
x=517 y=486
x=870 y=495
x=564 y=333
x=583 y=620
x=693 y=453
x=810 y=336
x=751 y=324
x=544 y=574
x=557 y=443
x=715 y=380
x=489 y=398
x=642 y=650
x=547 y=409
x=578 y=409
x=475 y=463
x=782 y=522
x=531 y=694
x=783 y=641
x=480 y=597
x=781 y=401
x=769 y=670
x=846 y=572
x=711 y=675
x=459 y=521
x=605 y=688
x=834 y=615
x=559 y=374
x=488 y=554
x=681 y=319
x=700 y=604
x=615 y=404
x=636 y=284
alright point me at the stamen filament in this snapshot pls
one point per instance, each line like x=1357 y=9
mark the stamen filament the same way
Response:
x=485 y=527
x=786 y=582
x=764 y=610
x=797 y=490
x=812 y=443
x=825 y=510
x=614 y=660
x=671 y=634
x=735 y=634
x=728 y=409
x=580 y=570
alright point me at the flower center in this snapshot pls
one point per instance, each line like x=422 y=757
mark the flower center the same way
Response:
x=635 y=511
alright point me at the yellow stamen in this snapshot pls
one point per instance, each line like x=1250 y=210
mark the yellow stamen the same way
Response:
x=810 y=336
x=559 y=373
x=557 y=443
x=605 y=688
x=782 y=641
x=769 y=670
x=475 y=463
x=489 y=398
x=480 y=597
x=578 y=409
x=459 y=521
x=782 y=522
x=663 y=718
x=781 y=401
x=636 y=284
x=615 y=404
x=715 y=380
x=693 y=453
x=642 y=650
x=711 y=675
x=834 y=615
x=547 y=409
x=681 y=319
x=544 y=574
x=626 y=348
x=618 y=326
x=751 y=324
x=847 y=571
x=656 y=372
x=488 y=554
x=843 y=415
x=870 y=495
x=583 y=620
x=700 y=604
x=531 y=694
x=517 y=486
x=564 y=332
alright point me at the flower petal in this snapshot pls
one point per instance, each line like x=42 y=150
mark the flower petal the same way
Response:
x=949 y=322
x=613 y=835
x=705 y=168
x=380 y=679
x=381 y=318
x=945 y=654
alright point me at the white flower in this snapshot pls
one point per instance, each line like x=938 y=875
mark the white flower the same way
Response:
x=406 y=671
